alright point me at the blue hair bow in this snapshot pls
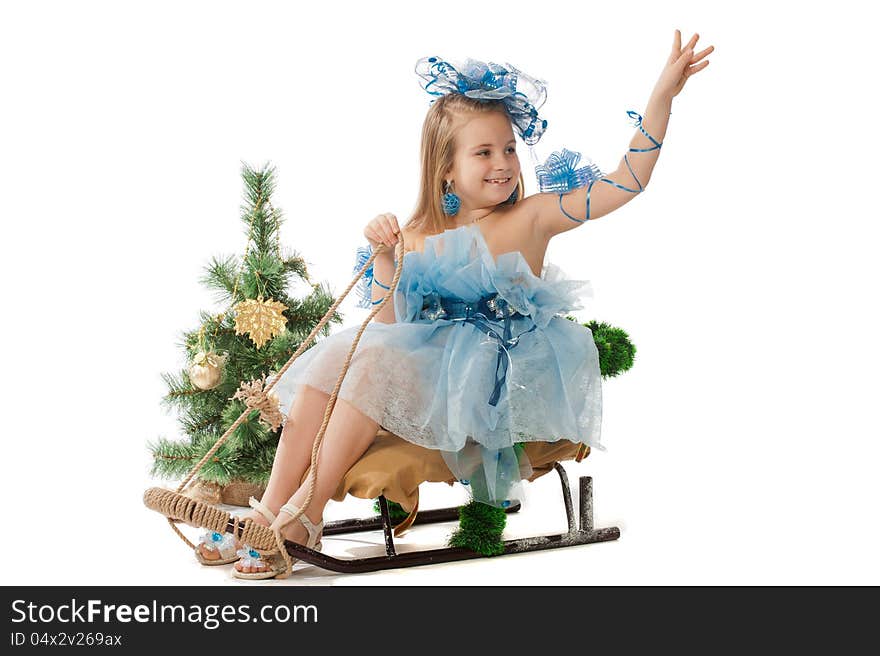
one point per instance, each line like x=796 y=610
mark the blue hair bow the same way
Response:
x=558 y=174
x=490 y=81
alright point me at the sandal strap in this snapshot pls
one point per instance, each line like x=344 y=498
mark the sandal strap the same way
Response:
x=262 y=508
x=313 y=529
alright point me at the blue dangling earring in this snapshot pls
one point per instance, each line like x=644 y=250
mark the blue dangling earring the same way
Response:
x=512 y=198
x=451 y=201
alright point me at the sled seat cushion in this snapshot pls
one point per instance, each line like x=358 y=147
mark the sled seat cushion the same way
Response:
x=395 y=468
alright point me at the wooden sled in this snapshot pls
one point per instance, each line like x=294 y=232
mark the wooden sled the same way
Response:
x=392 y=469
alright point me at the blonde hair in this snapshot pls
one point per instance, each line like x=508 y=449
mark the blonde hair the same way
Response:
x=437 y=154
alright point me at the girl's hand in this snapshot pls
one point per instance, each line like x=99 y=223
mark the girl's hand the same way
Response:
x=680 y=66
x=382 y=230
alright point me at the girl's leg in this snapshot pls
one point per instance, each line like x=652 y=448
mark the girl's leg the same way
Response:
x=348 y=435
x=293 y=454
x=294 y=451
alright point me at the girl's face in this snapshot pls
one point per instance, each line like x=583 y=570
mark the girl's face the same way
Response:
x=484 y=150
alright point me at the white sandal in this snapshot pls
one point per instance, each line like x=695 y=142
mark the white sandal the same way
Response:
x=275 y=562
x=224 y=543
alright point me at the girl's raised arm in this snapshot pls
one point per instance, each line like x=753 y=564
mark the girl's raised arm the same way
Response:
x=557 y=212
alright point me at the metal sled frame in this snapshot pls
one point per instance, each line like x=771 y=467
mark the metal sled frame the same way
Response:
x=586 y=534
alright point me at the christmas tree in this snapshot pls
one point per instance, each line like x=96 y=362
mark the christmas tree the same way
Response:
x=232 y=352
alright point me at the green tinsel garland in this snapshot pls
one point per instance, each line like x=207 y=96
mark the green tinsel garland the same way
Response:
x=480 y=529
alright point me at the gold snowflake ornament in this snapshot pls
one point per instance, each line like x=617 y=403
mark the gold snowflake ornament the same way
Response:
x=261 y=320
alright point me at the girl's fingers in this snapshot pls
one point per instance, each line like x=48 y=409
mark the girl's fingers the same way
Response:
x=392 y=237
x=379 y=234
x=695 y=69
x=383 y=229
x=391 y=221
x=685 y=57
x=676 y=48
x=702 y=54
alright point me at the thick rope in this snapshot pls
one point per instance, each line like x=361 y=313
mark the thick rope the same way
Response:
x=201 y=514
x=179 y=508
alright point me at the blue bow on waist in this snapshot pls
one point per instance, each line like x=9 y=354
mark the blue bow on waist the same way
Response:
x=477 y=313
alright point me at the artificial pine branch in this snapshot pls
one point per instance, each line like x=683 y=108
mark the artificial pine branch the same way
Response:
x=176 y=460
x=220 y=275
x=263 y=276
x=194 y=422
x=260 y=224
x=179 y=389
x=170 y=458
x=296 y=265
x=251 y=433
x=256 y=466
x=313 y=307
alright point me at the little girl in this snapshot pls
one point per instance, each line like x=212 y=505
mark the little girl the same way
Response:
x=474 y=356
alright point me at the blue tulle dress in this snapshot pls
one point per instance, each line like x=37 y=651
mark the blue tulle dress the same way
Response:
x=480 y=360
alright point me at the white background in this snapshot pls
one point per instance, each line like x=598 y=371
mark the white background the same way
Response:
x=743 y=444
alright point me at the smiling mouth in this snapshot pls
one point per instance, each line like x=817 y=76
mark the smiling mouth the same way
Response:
x=498 y=181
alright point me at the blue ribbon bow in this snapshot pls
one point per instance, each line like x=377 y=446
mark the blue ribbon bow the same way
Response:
x=490 y=81
x=477 y=313
x=558 y=174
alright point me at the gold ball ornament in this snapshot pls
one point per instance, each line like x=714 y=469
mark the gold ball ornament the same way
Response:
x=206 y=370
x=261 y=320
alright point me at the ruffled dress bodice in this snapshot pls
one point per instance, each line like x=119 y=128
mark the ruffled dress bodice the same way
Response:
x=459 y=263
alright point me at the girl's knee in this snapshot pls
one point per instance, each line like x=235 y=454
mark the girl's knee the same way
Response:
x=309 y=401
